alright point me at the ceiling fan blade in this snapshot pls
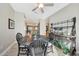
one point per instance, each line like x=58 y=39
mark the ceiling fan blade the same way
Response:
x=42 y=10
x=35 y=8
x=48 y=4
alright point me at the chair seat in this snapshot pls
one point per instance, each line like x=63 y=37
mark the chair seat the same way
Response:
x=22 y=46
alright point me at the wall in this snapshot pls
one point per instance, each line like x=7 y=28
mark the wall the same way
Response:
x=19 y=23
x=66 y=13
x=7 y=36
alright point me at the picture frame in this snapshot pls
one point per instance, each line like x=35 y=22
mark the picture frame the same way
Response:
x=11 y=24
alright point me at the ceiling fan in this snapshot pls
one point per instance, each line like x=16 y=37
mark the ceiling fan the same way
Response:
x=41 y=6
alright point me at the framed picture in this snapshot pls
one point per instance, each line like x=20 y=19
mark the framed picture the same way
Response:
x=11 y=24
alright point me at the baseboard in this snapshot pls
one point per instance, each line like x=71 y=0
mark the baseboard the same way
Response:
x=3 y=53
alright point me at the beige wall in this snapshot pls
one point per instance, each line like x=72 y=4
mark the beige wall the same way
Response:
x=19 y=23
x=66 y=13
x=7 y=36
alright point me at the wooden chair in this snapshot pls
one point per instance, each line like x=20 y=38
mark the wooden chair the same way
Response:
x=22 y=46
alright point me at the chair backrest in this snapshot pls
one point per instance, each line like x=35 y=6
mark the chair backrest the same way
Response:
x=38 y=47
x=19 y=38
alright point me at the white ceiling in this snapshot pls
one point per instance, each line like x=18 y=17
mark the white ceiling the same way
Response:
x=26 y=8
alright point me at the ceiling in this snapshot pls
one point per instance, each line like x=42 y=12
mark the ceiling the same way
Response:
x=26 y=8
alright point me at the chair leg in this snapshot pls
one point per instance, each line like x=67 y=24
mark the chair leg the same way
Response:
x=45 y=50
x=18 y=54
x=28 y=52
x=18 y=51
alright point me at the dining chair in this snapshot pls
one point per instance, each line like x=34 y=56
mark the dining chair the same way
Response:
x=38 y=47
x=22 y=46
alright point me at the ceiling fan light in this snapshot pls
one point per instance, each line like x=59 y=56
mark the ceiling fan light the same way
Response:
x=41 y=5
